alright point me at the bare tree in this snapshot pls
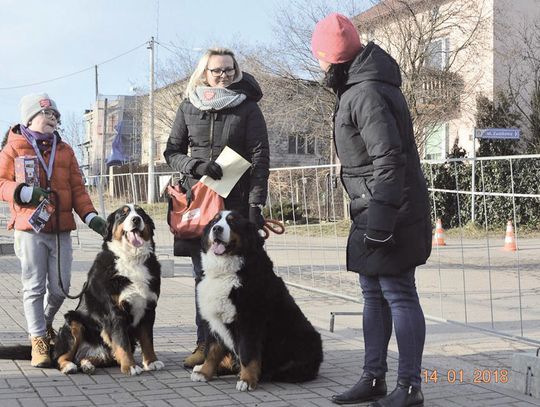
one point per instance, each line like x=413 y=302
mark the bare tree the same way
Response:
x=523 y=81
x=72 y=132
x=284 y=103
x=434 y=42
x=408 y=30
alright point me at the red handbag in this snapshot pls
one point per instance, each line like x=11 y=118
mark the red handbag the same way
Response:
x=190 y=211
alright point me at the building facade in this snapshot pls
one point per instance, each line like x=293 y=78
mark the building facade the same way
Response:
x=112 y=133
x=450 y=52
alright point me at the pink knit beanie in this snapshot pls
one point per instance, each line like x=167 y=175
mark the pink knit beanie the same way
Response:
x=335 y=39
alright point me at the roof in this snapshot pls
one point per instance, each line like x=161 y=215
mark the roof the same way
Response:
x=387 y=8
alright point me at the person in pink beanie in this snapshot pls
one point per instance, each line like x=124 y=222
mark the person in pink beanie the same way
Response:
x=391 y=228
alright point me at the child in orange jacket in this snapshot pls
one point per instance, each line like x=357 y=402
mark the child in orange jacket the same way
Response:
x=58 y=171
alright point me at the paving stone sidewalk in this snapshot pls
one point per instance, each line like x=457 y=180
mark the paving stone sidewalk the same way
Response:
x=449 y=349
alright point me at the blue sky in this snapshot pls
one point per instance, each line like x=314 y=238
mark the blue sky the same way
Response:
x=44 y=40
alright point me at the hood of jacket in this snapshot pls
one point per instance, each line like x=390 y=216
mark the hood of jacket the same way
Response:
x=374 y=64
x=249 y=86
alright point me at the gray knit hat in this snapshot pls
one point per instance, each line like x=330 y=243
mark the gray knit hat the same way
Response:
x=32 y=104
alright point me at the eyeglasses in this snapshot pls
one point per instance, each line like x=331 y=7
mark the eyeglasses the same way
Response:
x=217 y=72
x=51 y=114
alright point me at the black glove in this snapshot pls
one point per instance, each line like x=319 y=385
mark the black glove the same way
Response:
x=98 y=225
x=255 y=216
x=374 y=239
x=211 y=168
x=38 y=195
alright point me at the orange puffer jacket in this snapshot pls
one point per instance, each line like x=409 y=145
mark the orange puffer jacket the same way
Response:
x=66 y=181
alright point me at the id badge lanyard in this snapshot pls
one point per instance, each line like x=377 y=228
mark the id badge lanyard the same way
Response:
x=48 y=168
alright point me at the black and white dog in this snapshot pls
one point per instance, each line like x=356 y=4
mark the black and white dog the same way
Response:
x=250 y=311
x=117 y=309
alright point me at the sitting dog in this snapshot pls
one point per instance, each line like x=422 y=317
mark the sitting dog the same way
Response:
x=117 y=309
x=250 y=311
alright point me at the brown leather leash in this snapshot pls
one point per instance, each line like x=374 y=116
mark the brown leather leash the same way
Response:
x=271 y=225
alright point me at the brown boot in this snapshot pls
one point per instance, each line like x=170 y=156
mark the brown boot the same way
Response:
x=51 y=334
x=196 y=357
x=40 y=351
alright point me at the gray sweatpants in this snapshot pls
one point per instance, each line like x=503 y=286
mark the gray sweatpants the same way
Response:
x=42 y=296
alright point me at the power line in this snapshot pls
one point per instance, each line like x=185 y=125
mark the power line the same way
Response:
x=74 y=73
x=177 y=47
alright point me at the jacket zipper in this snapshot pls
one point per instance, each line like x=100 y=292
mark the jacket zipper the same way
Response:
x=212 y=119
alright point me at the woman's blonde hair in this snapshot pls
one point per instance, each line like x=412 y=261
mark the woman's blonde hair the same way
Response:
x=198 y=77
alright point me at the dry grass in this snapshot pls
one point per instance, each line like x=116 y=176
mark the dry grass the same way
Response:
x=469 y=231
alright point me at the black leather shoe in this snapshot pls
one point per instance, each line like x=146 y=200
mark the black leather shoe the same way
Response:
x=404 y=395
x=366 y=389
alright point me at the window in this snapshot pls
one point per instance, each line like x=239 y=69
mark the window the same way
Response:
x=437 y=143
x=301 y=144
x=311 y=146
x=438 y=52
x=292 y=144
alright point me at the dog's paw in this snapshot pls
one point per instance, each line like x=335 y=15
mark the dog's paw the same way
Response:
x=87 y=367
x=198 y=377
x=197 y=368
x=135 y=370
x=242 y=385
x=155 y=365
x=69 y=368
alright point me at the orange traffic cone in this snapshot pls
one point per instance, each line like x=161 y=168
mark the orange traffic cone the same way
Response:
x=510 y=239
x=438 y=237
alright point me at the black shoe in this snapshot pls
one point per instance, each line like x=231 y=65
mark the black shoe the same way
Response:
x=366 y=389
x=404 y=395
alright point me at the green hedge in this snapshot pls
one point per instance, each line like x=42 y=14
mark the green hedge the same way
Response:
x=491 y=176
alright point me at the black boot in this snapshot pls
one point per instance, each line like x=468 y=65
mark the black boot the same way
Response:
x=366 y=389
x=404 y=395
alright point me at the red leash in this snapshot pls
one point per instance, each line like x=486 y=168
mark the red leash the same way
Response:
x=271 y=225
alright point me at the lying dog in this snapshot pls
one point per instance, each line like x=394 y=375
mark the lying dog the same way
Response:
x=117 y=310
x=250 y=311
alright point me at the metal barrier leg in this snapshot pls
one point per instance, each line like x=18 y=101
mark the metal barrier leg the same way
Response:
x=333 y=317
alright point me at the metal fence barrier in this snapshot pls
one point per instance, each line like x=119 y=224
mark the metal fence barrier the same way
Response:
x=470 y=281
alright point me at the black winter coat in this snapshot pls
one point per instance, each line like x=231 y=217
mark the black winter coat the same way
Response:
x=380 y=167
x=206 y=133
x=242 y=128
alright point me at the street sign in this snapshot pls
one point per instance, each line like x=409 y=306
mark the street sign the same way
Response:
x=509 y=134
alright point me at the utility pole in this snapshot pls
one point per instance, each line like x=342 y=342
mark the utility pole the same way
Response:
x=96 y=79
x=473 y=176
x=103 y=152
x=151 y=154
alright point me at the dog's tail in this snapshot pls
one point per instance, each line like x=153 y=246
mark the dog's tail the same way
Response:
x=16 y=352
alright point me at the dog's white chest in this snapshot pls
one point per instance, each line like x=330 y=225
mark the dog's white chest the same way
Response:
x=138 y=293
x=213 y=294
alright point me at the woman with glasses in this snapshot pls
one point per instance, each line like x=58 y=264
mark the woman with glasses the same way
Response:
x=220 y=109
x=49 y=165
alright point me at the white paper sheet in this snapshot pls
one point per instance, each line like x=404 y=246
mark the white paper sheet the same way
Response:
x=233 y=166
x=163 y=183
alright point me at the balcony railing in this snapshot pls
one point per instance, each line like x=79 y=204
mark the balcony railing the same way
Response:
x=438 y=87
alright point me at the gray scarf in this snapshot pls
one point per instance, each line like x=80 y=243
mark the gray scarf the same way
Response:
x=210 y=98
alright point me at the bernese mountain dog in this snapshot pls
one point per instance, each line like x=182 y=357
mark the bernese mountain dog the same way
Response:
x=250 y=312
x=118 y=307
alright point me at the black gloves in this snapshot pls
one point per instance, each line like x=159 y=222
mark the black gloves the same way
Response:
x=374 y=239
x=38 y=195
x=211 y=168
x=98 y=225
x=255 y=216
